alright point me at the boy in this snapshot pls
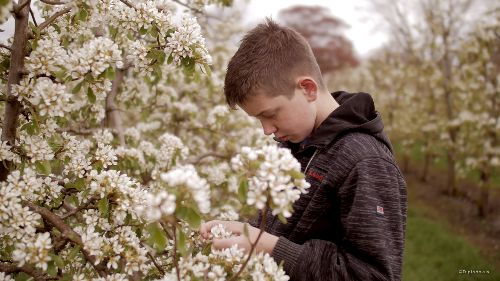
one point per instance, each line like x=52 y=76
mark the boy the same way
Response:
x=351 y=223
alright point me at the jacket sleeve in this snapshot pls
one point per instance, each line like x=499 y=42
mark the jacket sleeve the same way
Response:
x=373 y=217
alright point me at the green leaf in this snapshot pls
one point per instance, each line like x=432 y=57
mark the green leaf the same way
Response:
x=208 y=69
x=73 y=253
x=143 y=31
x=153 y=31
x=189 y=215
x=57 y=260
x=90 y=95
x=245 y=230
x=170 y=58
x=77 y=88
x=181 y=242
x=66 y=277
x=156 y=236
x=78 y=184
x=282 y=218
x=51 y=268
x=23 y=277
x=83 y=14
x=243 y=190
x=296 y=174
x=103 y=206
x=43 y=167
x=109 y=73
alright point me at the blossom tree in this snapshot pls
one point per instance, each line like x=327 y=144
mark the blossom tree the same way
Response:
x=116 y=145
x=437 y=85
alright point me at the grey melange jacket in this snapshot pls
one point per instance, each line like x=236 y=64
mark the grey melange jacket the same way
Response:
x=351 y=223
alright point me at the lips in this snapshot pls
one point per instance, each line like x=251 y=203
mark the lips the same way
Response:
x=283 y=138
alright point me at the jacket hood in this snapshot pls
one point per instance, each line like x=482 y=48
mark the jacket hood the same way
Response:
x=356 y=112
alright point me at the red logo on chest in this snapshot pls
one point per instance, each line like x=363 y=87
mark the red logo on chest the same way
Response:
x=315 y=175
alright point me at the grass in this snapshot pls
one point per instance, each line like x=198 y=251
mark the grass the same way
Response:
x=433 y=252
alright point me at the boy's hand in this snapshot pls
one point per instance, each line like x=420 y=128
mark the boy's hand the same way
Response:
x=265 y=244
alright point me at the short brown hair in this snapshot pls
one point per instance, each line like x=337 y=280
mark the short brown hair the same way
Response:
x=270 y=56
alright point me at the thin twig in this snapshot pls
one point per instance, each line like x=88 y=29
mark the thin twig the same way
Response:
x=165 y=228
x=33 y=17
x=187 y=6
x=128 y=4
x=177 y=270
x=154 y=261
x=79 y=208
x=254 y=244
x=54 y=17
x=49 y=2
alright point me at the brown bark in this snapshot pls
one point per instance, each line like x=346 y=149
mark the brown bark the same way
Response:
x=36 y=274
x=13 y=106
x=484 y=195
x=113 y=118
x=69 y=233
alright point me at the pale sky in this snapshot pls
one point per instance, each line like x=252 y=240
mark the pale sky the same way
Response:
x=364 y=31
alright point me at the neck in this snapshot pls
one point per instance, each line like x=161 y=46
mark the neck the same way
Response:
x=325 y=105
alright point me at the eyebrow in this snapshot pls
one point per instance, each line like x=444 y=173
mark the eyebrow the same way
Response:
x=266 y=111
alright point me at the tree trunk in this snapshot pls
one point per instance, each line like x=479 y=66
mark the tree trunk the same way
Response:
x=482 y=202
x=13 y=106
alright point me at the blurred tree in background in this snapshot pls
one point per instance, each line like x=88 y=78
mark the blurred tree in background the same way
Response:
x=324 y=32
x=438 y=84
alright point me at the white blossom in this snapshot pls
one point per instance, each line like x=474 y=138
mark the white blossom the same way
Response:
x=35 y=250
x=186 y=176
x=106 y=155
x=37 y=148
x=161 y=204
x=187 y=42
x=277 y=176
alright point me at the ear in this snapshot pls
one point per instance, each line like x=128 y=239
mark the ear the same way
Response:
x=308 y=87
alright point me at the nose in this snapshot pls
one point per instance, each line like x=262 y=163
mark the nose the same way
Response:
x=268 y=128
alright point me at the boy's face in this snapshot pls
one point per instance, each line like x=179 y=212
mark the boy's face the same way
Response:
x=288 y=119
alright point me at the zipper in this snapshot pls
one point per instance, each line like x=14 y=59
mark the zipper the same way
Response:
x=310 y=160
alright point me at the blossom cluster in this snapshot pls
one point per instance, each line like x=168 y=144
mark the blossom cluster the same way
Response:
x=187 y=42
x=223 y=264
x=159 y=205
x=274 y=174
x=186 y=177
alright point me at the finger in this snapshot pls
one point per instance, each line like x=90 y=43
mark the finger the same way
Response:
x=219 y=244
x=205 y=228
x=235 y=227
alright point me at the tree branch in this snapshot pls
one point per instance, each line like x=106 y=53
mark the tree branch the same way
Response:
x=69 y=233
x=79 y=208
x=18 y=53
x=33 y=17
x=53 y=2
x=176 y=264
x=128 y=4
x=54 y=17
x=254 y=244
x=113 y=118
x=36 y=274
x=19 y=7
x=187 y=6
